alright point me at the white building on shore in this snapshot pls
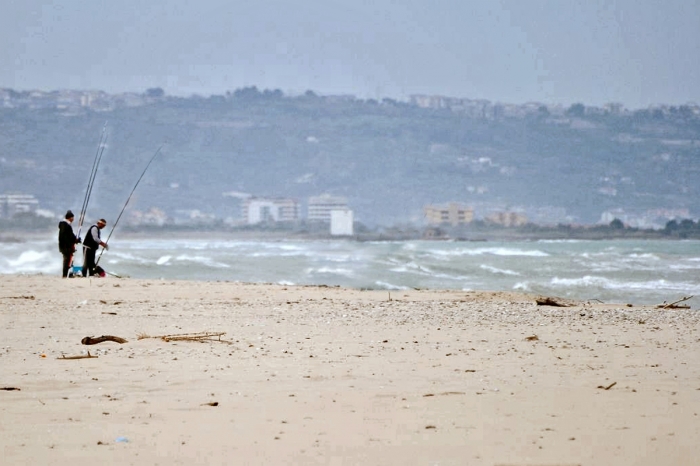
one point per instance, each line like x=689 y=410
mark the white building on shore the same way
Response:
x=16 y=203
x=342 y=222
x=258 y=210
x=320 y=207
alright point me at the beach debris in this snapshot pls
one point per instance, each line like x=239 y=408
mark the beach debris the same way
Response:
x=82 y=356
x=550 y=301
x=197 y=336
x=121 y=440
x=608 y=387
x=211 y=403
x=96 y=340
x=9 y=389
x=18 y=297
x=674 y=305
x=532 y=338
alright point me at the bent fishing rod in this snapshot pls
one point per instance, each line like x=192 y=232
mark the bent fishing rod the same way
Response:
x=93 y=172
x=127 y=203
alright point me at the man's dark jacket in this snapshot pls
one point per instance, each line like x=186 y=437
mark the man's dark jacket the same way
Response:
x=66 y=238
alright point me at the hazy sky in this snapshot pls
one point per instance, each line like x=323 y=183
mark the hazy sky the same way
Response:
x=637 y=52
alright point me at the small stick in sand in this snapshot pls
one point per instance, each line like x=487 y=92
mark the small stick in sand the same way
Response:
x=83 y=356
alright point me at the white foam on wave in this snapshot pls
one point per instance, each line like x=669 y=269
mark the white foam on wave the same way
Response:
x=389 y=286
x=119 y=257
x=522 y=286
x=490 y=251
x=423 y=271
x=163 y=260
x=647 y=255
x=609 y=284
x=331 y=271
x=203 y=260
x=33 y=262
x=498 y=271
x=555 y=241
x=684 y=266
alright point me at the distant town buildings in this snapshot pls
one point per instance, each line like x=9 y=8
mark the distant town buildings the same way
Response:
x=75 y=101
x=320 y=207
x=16 y=203
x=506 y=219
x=453 y=214
x=653 y=218
x=154 y=217
x=261 y=210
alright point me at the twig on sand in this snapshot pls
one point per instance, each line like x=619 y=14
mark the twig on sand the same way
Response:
x=96 y=340
x=82 y=356
x=608 y=387
x=198 y=336
x=674 y=305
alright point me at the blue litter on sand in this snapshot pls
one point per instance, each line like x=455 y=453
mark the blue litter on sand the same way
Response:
x=122 y=440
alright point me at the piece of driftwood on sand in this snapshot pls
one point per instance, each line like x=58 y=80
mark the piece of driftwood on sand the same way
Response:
x=197 y=336
x=549 y=301
x=96 y=340
x=674 y=305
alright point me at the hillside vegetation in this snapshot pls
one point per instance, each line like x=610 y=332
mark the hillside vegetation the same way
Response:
x=388 y=158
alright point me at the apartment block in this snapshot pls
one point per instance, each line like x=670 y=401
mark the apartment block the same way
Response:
x=15 y=203
x=261 y=210
x=320 y=207
x=453 y=214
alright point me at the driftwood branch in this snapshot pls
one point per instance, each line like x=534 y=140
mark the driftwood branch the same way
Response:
x=548 y=301
x=199 y=336
x=82 y=356
x=96 y=340
x=674 y=305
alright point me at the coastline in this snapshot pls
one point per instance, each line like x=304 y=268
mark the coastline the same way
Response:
x=327 y=375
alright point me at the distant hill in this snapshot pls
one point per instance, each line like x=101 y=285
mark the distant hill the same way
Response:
x=388 y=158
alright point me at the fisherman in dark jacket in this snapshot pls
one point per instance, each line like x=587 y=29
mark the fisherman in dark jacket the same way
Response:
x=91 y=244
x=67 y=241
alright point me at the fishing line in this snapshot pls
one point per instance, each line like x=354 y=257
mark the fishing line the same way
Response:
x=127 y=203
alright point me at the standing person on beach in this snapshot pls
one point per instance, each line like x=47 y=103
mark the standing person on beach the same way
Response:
x=91 y=244
x=67 y=241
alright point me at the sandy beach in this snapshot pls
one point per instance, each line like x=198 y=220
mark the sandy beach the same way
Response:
x=330 y=376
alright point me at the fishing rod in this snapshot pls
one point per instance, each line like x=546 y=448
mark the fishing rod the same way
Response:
x=93 y=172
x=91 y=180
x=127 y=203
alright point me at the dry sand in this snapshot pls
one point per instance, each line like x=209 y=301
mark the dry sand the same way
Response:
x=330 y=376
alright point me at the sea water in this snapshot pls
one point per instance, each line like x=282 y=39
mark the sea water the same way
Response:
x=619 y=271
